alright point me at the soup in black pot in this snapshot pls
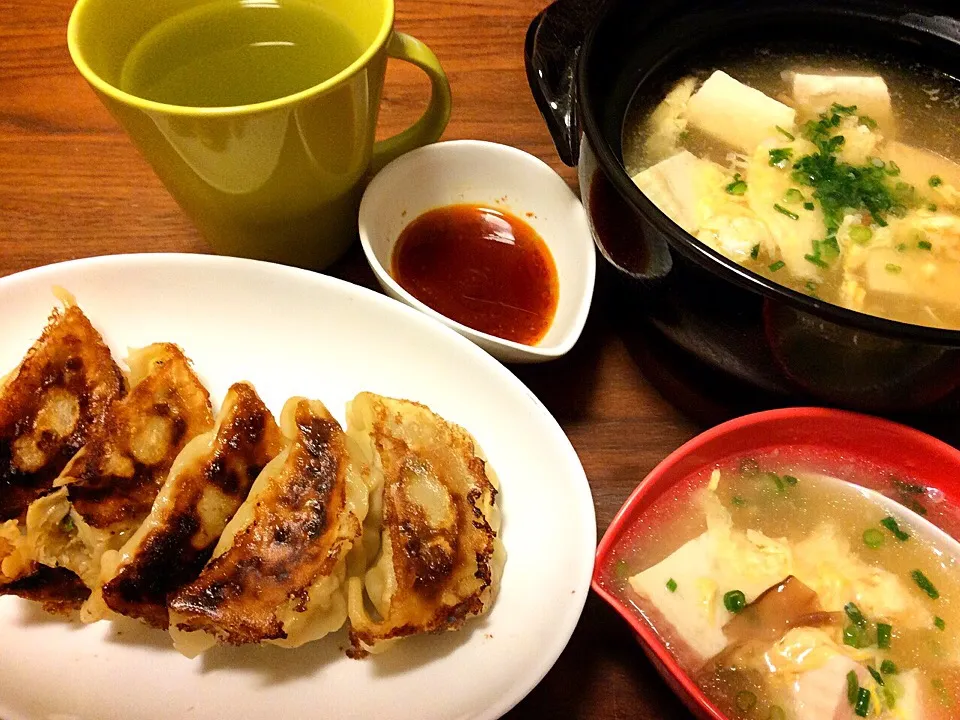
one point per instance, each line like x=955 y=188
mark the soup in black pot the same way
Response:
x=833 y=174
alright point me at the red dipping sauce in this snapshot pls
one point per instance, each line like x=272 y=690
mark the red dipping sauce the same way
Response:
x=484 y=268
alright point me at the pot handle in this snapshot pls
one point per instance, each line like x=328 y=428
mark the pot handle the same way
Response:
x=551 y=51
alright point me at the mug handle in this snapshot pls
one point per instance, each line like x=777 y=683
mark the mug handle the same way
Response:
x=434 y=120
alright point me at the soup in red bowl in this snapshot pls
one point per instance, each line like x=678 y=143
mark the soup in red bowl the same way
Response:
x=798 y=564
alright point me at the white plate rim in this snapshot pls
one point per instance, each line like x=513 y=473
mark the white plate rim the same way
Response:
x=579 y=576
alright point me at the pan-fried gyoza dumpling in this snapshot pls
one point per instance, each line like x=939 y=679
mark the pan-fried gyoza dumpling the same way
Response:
x=436 y=518
x=108 y=488
x=50 y=405
x=278 y=572
x=209 y=480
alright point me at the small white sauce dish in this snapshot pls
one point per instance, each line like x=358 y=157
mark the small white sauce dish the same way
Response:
x=499 y=177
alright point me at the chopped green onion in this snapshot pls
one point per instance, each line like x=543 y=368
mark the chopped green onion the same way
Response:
x=853 y=686
x=815 y=259
x=856 y=617
x=734 y=601
x=672 y=585
x=621 y=569
x=890 y=524
x=901 y=247
x=824 y=250
x=868 y=121
x=873 y=188
x=878 y=678
x=940 y=623
x=889 y=697
x=788 y=135
x=777 y=713
x=855 y=637
x=793 y=195
x=783 y=211
x=892 y=268
x=860 y=234
x=738 y=501
x=934 y=181
x=67 y=523
x=754 y=252
x=932 y=207
x=862 y=705
x=808 y=206
x=780 y=156
x=884 y=633
x=851 y=636
x=746 y=700
x=888 y=667
x=830 y=248
x=777 y=480
x=811 y=286
x=872 y=538
x=790 y=480
x=777 y=265
x=738 y=186
x=925 y=245
x=923 y=582
x=838 y=109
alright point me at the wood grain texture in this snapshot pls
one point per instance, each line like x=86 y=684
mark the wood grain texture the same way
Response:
x=71 y=186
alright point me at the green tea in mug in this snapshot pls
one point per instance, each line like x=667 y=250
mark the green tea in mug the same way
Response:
x=238 y=52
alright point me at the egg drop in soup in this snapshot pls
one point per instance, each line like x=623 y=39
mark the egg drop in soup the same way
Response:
x=787 y=593
x=833 y=174
x=484 y=268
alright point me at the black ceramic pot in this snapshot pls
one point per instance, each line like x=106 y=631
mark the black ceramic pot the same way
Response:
x=586 y=59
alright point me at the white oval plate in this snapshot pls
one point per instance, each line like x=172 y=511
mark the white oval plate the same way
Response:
x=292 y=332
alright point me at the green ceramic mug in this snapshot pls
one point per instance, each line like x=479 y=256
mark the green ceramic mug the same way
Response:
x=278 y=180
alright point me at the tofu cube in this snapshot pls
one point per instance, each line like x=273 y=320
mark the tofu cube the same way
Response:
x=674 y=186
x=815 y=94
x=737 y=114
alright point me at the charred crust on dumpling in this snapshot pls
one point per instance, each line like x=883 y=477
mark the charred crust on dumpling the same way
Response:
x=294 y=536
x=169 y=556
x=141 y=590
x=116 y=478
x=51 y=405
x=484 y=573
x=59 y=591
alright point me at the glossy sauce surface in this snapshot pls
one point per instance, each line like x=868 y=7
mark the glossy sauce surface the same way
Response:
x=481 y=267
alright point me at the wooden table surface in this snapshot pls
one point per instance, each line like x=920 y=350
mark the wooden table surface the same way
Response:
x=72 y=185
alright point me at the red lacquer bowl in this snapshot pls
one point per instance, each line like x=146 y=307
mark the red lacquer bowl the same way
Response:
x=843 y=435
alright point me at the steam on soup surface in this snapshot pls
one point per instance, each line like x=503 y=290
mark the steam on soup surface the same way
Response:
x=787 y=594
x=838 y=178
